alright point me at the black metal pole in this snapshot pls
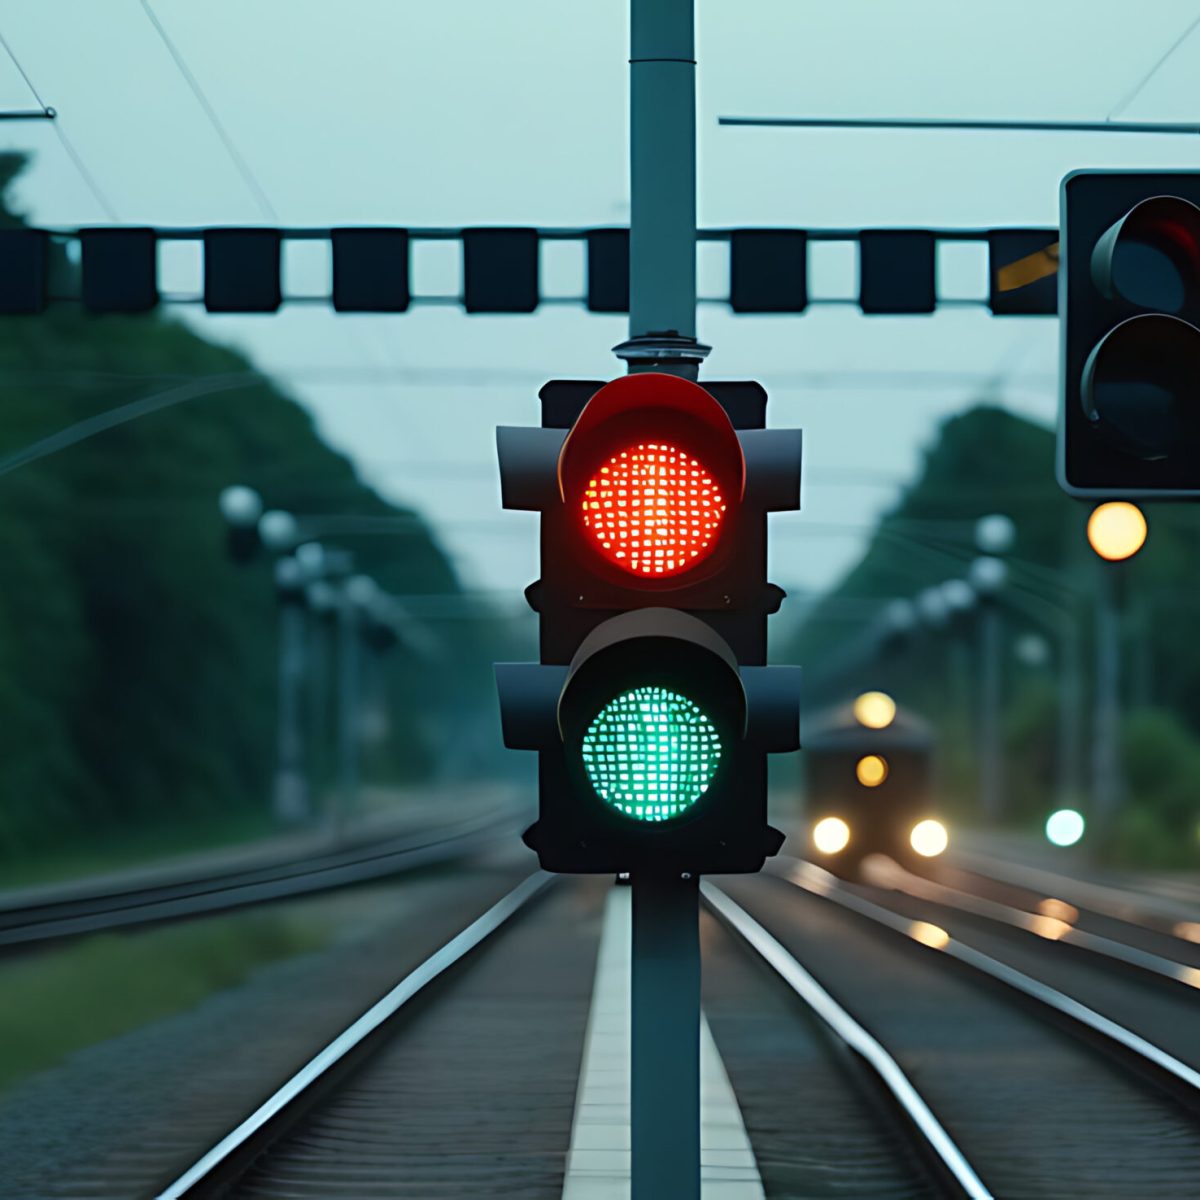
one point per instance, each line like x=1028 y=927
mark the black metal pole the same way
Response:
x=665 y=1038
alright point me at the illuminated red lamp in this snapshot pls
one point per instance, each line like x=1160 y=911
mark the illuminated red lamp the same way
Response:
x=652 y=467
x=653 y=509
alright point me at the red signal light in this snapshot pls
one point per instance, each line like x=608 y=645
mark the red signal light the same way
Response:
x=651 y=477
x=653 y=509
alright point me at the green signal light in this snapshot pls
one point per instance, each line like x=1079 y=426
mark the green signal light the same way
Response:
x=651 y=753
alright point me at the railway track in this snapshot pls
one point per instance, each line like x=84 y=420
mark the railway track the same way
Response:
x=874 y=1100
x=75 y=911
x=1123 y=943
x=1171 y=910
x=1042 y=1095
x=459 y=1082
x=937 y=1069
x=288 y=1140
x=881 y=1050
x=379 y=1110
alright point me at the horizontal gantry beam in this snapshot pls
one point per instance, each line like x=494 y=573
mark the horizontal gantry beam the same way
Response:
x=118 y=269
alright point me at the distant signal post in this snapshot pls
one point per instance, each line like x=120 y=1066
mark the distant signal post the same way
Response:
x=1130 y=301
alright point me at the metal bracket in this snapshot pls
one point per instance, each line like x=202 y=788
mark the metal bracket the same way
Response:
x=773 y=465
x=666 y=349
x=773 y=707
x=528 y=457
x=529 y=704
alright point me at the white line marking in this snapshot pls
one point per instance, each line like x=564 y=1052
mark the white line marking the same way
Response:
x=598 y=1166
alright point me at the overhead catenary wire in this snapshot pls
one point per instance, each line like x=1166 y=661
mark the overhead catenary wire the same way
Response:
x=68 y=146
x=90 y=426
x=1136 y=90
x=16 y=62
x=241 y=165
x=968 y=124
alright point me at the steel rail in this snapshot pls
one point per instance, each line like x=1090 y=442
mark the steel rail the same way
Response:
x=1169 y=1072
x=203 y=1173
x=1127 y=905
x=1044 y=925
x=81 y=914
x=848 y=1030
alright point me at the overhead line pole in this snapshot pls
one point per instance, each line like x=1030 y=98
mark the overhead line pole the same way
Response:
x=665 y=971
x=1108 y=788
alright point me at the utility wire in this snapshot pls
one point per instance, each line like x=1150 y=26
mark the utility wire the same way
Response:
x=24 y=75
x=243 y=167
x=1132 y=94
x=91 y=426
x=1190 y=128
x=88 y=178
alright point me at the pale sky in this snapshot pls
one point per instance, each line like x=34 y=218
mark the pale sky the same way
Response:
x=471 y=112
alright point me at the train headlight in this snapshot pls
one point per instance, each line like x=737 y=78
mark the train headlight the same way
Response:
x=929 y=838
x=831 y=835
x=875 y=710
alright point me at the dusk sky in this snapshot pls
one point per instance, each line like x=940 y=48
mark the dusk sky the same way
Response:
x=477 y=113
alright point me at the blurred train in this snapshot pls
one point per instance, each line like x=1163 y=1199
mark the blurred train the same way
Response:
x=869 y=786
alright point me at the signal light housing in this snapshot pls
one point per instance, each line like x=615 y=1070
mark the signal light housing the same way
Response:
x=652 y=711
x=1150 y=258
x=1130 y=297
x=652 y=465
x=697 y=772
x=715 y=450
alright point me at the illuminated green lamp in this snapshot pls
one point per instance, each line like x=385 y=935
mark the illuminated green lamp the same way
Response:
x=651 y=753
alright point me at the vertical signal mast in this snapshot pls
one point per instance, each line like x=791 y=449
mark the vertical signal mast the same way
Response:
x=652 y=709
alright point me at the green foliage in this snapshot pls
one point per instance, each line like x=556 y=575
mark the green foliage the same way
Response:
x=102 y=986
x=137 y=662
x=1031 y=743
x=1162 y=773
x=987 y=460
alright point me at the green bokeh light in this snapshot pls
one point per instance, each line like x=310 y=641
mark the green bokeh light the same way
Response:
x=651 y=753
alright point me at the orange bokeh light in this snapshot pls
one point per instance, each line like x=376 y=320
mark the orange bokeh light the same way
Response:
x=1116 y=530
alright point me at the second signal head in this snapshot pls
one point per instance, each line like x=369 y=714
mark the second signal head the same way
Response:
x=1130 y=303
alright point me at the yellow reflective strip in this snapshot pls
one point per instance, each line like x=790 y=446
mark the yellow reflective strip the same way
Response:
x=1028 y=270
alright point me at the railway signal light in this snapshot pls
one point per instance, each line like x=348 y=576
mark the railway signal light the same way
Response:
x=652 y=709
x=1116 y=530
x=1064 y=827
x=1130 y=300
